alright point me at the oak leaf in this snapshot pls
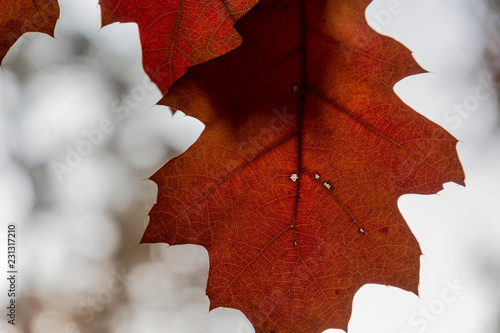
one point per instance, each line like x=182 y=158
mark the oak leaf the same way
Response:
x=20 y=16
x=177 y=34
x=293 y=185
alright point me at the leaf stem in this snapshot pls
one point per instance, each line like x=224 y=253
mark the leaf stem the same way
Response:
x=300 y=110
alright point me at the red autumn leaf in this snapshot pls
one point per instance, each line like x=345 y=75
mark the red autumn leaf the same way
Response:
x=293 y=186
x=178 y=34
x=20 y=16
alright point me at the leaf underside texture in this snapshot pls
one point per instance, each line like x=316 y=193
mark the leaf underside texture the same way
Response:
x=21 y=16
x=293 y=185
x=177 y=34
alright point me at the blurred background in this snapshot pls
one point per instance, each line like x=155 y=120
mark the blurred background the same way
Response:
x=81 y=134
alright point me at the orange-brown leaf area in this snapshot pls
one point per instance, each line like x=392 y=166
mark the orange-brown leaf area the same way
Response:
x=293 y=186
x=177 y=34
x=20 y=16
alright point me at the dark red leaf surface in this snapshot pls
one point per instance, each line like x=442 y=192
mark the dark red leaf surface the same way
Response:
x=20 y=16
x=293 y=186
x=177 y=34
